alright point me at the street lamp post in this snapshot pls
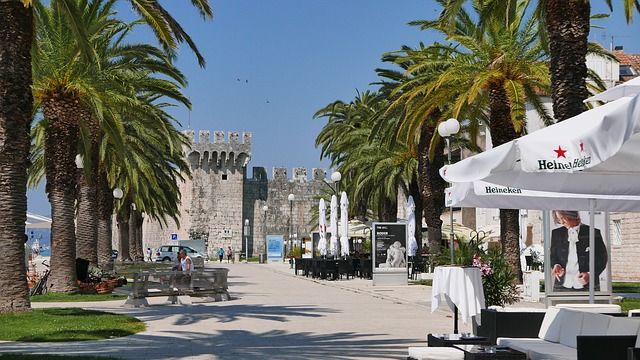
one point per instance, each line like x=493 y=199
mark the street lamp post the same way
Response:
x=247 y=230
x=446 y=129
x=291 y=197
x=264 y=227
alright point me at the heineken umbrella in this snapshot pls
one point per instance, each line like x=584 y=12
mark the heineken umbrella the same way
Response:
x=344 y=224
x=412 y=245
x=596 y=153
x=322 y=227
x=626 y=89
x=333 y=226
x=481 y=194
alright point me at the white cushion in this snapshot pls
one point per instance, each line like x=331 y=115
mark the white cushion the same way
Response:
x=595 y=324
x=550 y=328
x=571 y=325
x=596 y=308
x=623 y=326
x=435 y=353
x=539 y=349
x=560 y=352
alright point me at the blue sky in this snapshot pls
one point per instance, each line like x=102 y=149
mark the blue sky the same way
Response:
x=272 y=64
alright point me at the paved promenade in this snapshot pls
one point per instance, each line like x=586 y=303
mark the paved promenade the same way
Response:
x=273 y=314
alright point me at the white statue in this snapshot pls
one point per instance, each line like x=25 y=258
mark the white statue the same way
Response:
x=396 y=255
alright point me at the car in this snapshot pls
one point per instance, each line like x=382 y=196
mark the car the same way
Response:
x=170 y=252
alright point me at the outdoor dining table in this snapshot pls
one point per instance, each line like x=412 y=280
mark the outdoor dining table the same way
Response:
x=462 y=290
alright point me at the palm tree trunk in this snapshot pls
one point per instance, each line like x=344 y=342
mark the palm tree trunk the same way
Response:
x=388 y=209
x=432 y=185
x=135 y=239
x=16 y=102
x=414 y=190
x=87 y=221
x=123 y=233
x=502 y=131
x=61 y=138
x=568 y=29
x=105 y=214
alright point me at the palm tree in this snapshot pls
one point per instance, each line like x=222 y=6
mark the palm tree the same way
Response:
x=567 y=25
x=15 y=117
x=16 y=38
x=494 y=66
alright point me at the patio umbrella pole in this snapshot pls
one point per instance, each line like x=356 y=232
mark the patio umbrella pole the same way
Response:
x=455 y=319
x=592 y=250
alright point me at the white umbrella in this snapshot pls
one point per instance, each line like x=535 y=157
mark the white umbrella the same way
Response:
x=322 y=227
x=594 y=153
x=412 y=247
x=333 y=223
x=344 y=224
x=481 y=194
x=626 y=89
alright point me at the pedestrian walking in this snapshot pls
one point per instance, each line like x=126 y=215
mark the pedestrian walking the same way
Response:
x=221 y=253
x=229 y=254
x=149 y=254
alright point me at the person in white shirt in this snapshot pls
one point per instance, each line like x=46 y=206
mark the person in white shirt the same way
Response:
x=570 y=252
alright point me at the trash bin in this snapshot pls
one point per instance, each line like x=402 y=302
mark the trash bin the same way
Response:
x=82 y=269
x=262 y=258
x=236 y=256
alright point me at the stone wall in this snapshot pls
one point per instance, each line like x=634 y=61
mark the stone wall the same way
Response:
x=279 y=210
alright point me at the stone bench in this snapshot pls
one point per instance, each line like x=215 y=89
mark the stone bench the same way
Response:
x=208 y=283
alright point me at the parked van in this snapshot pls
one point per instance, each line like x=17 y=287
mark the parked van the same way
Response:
x=170 y=253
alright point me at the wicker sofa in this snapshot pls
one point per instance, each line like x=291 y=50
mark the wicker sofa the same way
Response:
x=567 y=334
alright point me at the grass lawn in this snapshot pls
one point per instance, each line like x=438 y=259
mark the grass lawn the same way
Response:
x=66 y=324
x=427 y=282
x=60 y=297
x=51 y=357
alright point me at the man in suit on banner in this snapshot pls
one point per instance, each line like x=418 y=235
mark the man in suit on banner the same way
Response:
x=570 y=253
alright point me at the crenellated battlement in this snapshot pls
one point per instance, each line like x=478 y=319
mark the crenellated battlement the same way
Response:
x=299 y=174
x=218 y=152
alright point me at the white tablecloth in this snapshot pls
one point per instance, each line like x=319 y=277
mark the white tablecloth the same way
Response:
x=461 y=287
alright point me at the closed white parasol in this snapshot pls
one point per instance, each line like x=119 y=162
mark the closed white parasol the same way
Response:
x=322 y=227
x=333 y=223
x=344 y=224
x=412 y=246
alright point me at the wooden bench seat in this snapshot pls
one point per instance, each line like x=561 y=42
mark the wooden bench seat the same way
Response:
x=210 y=283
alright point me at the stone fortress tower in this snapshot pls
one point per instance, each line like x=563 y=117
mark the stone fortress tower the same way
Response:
x=219 y=198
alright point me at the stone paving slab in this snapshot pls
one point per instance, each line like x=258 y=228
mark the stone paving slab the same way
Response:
x=272 y=314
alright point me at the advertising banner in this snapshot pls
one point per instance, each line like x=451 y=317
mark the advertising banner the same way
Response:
x=567 y=254
x=275 y=248
x=389 y=246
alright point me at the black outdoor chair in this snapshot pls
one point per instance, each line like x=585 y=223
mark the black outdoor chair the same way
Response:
x=417 y=267
x=345 y=267
x=365 y=268
x=355 y=262
x=331 y=269
x=299 y=265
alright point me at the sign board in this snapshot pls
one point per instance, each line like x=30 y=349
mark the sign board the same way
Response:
x=174 y=237
x=389 y=254
x=566 y=264
x=275 y=248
